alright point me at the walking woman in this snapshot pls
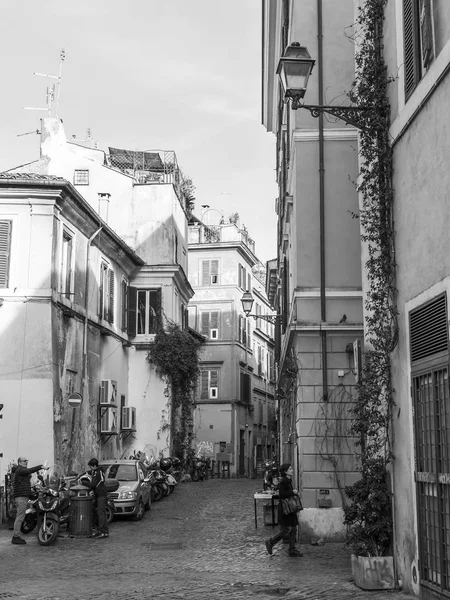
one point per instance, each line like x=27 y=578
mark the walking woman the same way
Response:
x=288 y=523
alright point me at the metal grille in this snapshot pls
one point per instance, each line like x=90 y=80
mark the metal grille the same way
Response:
x=432 y=451
x=429 y=329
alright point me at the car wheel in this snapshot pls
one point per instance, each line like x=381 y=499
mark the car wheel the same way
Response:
x=140 y=511
x=109 y=514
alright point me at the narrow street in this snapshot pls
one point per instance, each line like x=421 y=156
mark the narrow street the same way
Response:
x=198 y=543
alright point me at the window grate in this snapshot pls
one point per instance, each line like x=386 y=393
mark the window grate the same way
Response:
x=429 y=329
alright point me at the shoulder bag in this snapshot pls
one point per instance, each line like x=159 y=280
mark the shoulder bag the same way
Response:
x=291 y=505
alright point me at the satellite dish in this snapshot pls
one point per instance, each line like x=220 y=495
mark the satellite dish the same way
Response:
x=75 y=399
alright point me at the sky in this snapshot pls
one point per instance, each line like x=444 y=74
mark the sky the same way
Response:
x=182 y=75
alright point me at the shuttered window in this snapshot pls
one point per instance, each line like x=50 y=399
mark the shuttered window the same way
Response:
x=5 y=251
x=210 y=324
x=124 y=305
x=428 y=326
x=210 y=272
x=418 y=41
x=209 y=384
x=242 y=278
x=106 y=293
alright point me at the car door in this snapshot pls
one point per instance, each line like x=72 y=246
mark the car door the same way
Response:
x=144 y=486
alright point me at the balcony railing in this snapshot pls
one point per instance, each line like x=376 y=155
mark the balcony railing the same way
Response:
x=229 y=232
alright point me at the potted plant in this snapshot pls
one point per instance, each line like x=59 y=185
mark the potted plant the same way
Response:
x=369 y=526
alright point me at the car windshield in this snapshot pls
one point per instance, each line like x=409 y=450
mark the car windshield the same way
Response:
x=120 y=472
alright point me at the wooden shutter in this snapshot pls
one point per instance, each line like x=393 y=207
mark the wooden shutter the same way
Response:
x=101 y=292
x=5 y=250
x=215 y=269
x=285 y=293
x=426 y=32
x=215 y=320
x=124 y=292
x=241 y=319
x=205 y=324
x=159 y=310
x=239 y=275
x=249 y=339
x=204 y=389
x=132 y=311
x=111 y=296
x=249 y=282
x=205 y=273
x=411 y=41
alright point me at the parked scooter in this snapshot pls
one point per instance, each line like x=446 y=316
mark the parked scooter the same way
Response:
x=48 y=508
x=198 y=469
x=166 y=465
x=30 y=521
x=271 y=476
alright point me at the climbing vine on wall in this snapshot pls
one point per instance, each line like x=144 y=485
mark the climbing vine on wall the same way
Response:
x=174 y=352
x=369 y=514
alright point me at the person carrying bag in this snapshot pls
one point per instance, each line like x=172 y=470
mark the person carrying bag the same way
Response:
x=288 y=507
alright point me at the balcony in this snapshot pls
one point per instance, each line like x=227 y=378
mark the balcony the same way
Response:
x=147 y=167
x=219 y=234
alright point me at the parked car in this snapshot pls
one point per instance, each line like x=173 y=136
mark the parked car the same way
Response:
x=133 y=496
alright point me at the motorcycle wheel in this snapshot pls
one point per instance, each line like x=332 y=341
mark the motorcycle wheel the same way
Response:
x=29 y=523
x=158 y=493
x=109 y=514
x=165 y=488
x=47 y=535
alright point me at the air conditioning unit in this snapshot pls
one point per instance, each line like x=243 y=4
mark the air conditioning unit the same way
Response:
x=357 y=360
x=214 y=334
x=108 y=420
x=128 y=418
x=108 y=391
x=213 y=392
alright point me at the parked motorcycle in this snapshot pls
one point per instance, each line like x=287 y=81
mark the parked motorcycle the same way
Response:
x=271 y=476
x=30 y=521
x=198 y=472
x=49 y=513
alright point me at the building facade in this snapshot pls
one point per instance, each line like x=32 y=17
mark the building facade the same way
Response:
x=137 y=197
x=315 y=282
x=416 y=41
x=235 y=408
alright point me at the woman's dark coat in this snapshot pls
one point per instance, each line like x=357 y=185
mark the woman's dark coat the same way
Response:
x=286 y=490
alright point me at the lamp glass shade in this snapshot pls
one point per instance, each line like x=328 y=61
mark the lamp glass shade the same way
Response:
x=294 y=70
x=247 y=302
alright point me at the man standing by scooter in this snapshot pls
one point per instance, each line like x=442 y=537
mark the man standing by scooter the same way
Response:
x=97 y=485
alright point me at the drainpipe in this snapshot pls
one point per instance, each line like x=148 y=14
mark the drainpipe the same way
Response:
x=323 y=308
x=85 y=328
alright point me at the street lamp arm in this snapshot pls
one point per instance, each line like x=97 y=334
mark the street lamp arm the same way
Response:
x=270 y=318
x=349 y=114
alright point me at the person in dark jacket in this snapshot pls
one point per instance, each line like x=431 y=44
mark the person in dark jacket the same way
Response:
x=288 y=523
x=97 y=485
x=21 y=487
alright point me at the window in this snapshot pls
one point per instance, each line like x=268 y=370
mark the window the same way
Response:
x=242 y=277
x=209 y=384
x=5 y=252
x=66 y=264
x=81 y=177
x=244 y=331
x=144 y=311
x=124 y=308
x=210 y=324
x=106 y=293
x=418 y=41
x=210 y=272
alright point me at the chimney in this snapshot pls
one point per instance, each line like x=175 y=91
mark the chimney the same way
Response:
x=103 y=205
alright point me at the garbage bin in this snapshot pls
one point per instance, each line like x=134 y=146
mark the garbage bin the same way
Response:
x=80 y=512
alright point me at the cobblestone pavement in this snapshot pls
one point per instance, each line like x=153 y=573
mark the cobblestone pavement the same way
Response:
x=198 y=543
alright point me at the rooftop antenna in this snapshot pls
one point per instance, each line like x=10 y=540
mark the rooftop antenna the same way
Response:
x=52 y=90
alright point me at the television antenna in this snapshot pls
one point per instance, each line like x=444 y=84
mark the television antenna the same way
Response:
x=53 y=90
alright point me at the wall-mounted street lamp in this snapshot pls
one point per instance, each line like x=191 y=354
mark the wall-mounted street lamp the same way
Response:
x=247 y=303
x=294 y=69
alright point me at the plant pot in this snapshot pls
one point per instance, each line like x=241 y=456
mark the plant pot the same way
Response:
x=373 y=572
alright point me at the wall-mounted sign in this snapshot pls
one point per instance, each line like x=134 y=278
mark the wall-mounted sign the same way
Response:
x=75 y=399
x=324 y=492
